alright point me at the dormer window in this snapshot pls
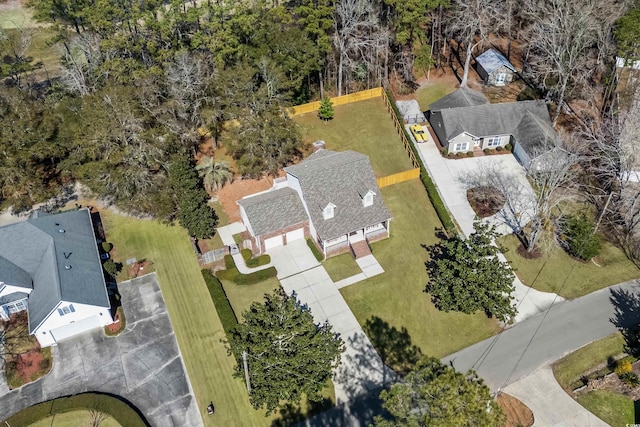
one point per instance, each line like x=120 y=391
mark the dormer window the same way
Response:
x=328 y=211
x=367 y=200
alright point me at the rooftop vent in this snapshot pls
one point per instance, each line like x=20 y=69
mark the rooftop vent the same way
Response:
x=61 y=230
x=67 y=267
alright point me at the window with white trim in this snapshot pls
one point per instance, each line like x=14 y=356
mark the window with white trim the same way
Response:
x=368 y=199
x=16 y=306
x=461 y=146
x=66 y=309
x=328 y=211
x=494 y=141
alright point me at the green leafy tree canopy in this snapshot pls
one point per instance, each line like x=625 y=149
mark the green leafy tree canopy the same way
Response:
x=467 y=276
x=288 y=354
x=434 y=394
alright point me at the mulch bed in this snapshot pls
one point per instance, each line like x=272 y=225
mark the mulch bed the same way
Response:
x=485 y=201
x=231 y=193
x=611 y=382
x=534 y=254
x=518 y=414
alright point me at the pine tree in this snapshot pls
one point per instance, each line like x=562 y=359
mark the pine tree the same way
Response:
x=325 y=112
x=466 y=275
x=288 y=354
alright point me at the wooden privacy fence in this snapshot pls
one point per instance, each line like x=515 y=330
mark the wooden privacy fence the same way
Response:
x=396 y=178
x=338 y=100
x=401 y=131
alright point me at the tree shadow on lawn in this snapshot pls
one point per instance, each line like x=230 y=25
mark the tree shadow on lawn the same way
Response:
x=627 y=317
x=393 y=346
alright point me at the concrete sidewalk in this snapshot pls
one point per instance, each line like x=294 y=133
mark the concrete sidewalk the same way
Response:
x=447 y=175
x=551 y=405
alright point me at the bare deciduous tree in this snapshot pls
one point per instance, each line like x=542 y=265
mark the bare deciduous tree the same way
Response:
x=470 y=23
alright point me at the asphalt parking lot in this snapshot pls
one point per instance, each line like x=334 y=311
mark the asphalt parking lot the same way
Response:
x=143 y=364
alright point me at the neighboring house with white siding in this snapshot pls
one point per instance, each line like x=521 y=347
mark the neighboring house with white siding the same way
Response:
x=465 y=121
x=332 y=197
x=51 y=267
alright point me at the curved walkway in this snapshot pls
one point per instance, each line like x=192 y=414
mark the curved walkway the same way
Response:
x=143 y=364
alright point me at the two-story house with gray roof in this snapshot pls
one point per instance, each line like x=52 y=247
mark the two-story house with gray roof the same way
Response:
x=465 y=121
x=332 y=197
x=50 y=266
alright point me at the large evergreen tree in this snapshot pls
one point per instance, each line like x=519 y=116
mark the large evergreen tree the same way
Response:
x=435 y=395
x=288 y=354
x=466 y=275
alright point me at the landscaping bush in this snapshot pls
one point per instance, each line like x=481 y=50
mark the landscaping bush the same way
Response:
x=451 y=155
x=486 y=150
x=258 y=261
x=221 y=302
x=246 y=254
x=314 y=249
x=630 y=378
x=469 y=153
x=110 y=267
x=499 y=148
x=623 y=367
x=508 y=147
x=106 y=246
x=432 y=191
x=232 y=274
x=578 y=238
x=444 y=152
x=229 y=263
x=460 y=154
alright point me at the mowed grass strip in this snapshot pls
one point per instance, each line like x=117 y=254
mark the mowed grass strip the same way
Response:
x=341 y=266
x=365 y=127
x=397 y=296
x=193 y=316
x=613 y=408
x=549 y=272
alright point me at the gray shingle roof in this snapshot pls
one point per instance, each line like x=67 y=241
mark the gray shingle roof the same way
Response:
x=498 y=119
x=13 y=275
x=536 y=134
x=273 y=210
x=41 y=250
x=491 y=60
x=14 y=296
x=339 y=178
x=463 y=97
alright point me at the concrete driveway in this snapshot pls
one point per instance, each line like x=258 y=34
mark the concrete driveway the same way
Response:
x=292 y=258
x=449 y=176
x=143 y=364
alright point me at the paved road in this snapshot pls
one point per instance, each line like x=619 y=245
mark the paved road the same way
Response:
x=143 y=364
x=567 y=327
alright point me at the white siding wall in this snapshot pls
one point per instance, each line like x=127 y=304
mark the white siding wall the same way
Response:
x=82 y=311
x=462 y=138
x=295 y=184
x=505 y=141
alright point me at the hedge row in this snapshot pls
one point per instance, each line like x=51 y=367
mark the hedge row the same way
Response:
x=232 y=273
x=314 y=249
x=432 y=191
x=120 y=410
x=221 y=302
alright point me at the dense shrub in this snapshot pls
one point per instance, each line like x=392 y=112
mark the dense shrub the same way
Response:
x=106 y=246
x=508 y=147
x=110 y=267
x=444 y=152
x=246 y=254
x=577 y=236
x=432 y=191
x=623 y=367
x=486 y=150
x=469 y=153
x=630 y=378
x=314 y=249
x=221 y=302
x=460 y=154
x=499 y=148
x=258 y=261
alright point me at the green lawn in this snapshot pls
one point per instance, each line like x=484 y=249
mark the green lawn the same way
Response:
x=397 y=296
x=571 y=367
x=193 y=316
x=548 y=272
x=341 y=266
x=241 y=296
x=365 y=127
x=73 y=419
x=432 y=92
x=612 y=408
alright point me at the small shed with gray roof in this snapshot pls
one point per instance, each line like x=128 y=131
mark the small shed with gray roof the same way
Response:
x=494 y=69
x=50 y=266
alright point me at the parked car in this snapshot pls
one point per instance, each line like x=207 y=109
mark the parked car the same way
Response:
x=419 y=133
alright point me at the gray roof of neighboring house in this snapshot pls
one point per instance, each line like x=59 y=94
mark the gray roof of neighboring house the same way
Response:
x=340 y=178
x=13 y=275
x=463 y=97
x=491 y=60
x=14 y=296
x=42 y=250
x=528 y=121
x=273 y=210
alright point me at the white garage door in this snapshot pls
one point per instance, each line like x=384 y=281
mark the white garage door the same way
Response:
x=75 y=328
x=295 y=235
x=273 y=242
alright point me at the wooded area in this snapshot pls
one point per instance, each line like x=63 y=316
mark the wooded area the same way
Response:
x=141 y=84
